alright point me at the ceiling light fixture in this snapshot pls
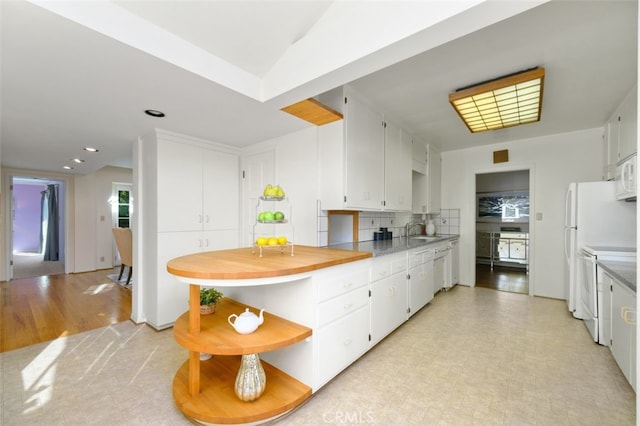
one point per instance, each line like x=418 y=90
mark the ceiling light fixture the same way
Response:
x=67 y=167
x=90 y=149
x=502 y=102
x=78 y=160
x=154 y=113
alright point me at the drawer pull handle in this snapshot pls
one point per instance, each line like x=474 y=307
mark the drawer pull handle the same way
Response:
x=348 y=306
x=628 y=316
x=347 y=342
x=347 y=285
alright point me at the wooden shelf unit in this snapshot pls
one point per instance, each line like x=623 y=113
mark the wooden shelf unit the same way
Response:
x=204 y=390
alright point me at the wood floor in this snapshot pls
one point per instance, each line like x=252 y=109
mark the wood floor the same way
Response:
x=40 y=309
x=514 y=280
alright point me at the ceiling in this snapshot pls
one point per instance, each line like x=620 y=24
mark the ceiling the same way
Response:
x=76 y=74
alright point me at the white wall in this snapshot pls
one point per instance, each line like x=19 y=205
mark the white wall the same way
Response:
x=554 y=162
x=296 y=171
x=93 y=237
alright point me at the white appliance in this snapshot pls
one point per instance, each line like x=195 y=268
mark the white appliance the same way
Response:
x=626 y=178
x=593 y=294
x=593 y=216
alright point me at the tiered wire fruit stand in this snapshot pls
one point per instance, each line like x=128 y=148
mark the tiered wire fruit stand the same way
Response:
x=261 y=226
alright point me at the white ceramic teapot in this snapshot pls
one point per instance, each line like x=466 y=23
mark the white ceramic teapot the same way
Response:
x=247 y=322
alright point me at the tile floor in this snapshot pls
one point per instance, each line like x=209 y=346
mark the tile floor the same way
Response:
x=472 y=356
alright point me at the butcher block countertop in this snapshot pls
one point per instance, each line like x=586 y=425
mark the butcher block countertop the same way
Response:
x=242 y=264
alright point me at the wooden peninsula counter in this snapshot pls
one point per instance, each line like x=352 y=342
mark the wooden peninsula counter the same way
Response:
x=204 y=390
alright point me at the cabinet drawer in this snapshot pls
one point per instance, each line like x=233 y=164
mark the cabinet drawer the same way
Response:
x=340 y=281
x=342 y=342
x=388 y=265
x=342 y=305
x=415 y=259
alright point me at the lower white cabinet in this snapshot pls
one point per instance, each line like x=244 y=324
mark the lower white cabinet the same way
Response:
x=342 y=342
x=342 y=318
x=420 y=279
x=623 y=328
x=389 y=294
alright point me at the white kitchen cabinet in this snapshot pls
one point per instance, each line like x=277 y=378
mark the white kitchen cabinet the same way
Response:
x=426 y=188
x=343 y=318
x=454 y=267
x=198 y=188
x=418 y=157
x=389 y=294
x=420 y=278
x=190 y=201
x=623 y=328
x=364 y=162
x=398 y=149
x=364 y=155
x=620 y=133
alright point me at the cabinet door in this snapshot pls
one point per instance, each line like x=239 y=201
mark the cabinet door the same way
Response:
x=388 y=305
x=364 y=153
x=342 y=342
x=221 y=190
x=622 y=325
x=627 y=126
x=420 y=288
x=398 y=154
x=172 y=297
x=433 y=175
x=179 y=189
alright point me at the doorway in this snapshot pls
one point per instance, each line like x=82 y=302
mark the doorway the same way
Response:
x=37 y=227
x=502 y=231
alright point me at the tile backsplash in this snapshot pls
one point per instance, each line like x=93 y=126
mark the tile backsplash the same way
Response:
x=447 y=222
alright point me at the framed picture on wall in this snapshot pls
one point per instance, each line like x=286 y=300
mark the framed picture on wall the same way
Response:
x=507 y=206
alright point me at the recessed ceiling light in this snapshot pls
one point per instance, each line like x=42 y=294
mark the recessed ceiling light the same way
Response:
x=91 y=149
x=154 y=113
x=67 y=167
x=78 y=160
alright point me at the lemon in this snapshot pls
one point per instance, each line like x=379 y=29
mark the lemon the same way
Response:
x=282 y=240
x=262 y=241
x=273 y=241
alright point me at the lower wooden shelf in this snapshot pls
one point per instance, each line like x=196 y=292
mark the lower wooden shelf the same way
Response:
x=217 y=401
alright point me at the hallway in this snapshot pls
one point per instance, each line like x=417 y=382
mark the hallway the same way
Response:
x=502 y=278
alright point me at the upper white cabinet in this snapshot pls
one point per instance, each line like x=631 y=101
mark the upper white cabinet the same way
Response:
x=426 y=188
x=621 y=133
x=398 y=154
x=364 y=155
x=198 y=188
x=365 y=162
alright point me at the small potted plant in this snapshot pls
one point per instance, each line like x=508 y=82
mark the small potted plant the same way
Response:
x=208 y=299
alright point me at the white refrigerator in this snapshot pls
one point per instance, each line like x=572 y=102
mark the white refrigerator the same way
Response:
x=593 y=216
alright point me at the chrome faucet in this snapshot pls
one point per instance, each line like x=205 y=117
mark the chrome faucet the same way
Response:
x=410 y=225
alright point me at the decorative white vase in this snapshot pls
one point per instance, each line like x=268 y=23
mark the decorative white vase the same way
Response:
x=431 y=227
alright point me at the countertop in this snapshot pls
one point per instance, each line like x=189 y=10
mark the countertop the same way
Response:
x=242 y=264
x=394 y=245
x=623 y=272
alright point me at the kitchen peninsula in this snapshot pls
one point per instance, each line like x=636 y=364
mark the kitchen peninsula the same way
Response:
x=324 y=308
x=203 y=390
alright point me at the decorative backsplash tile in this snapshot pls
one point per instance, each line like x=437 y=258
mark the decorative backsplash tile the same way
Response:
x=447 y=222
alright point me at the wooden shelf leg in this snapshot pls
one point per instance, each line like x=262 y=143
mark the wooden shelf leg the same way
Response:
x=194 y=328
x=194 y=373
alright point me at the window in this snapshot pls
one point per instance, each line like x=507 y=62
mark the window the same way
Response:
x=121 y=205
